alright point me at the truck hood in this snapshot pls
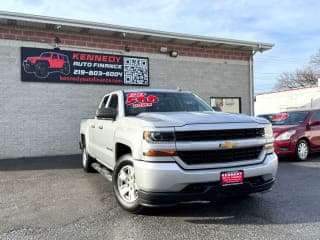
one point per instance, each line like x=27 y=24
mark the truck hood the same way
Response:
x=175 y=119
x=34 y=59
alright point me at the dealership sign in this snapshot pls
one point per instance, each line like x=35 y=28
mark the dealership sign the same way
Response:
x=45 y=65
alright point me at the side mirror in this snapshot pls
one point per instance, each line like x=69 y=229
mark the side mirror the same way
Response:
x=314 y=123
x=217 y=109
x=107 y=113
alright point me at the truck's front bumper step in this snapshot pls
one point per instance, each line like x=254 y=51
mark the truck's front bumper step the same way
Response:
x=204 y=191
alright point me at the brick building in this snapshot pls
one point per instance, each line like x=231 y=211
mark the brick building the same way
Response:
x=40 y=113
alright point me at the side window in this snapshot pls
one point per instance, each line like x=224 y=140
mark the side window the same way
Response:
x=315 y=116
x=114 y=101
x=54 y=56
x=104 y=102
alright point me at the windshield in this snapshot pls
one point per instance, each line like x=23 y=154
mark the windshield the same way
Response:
x=45 y=54
x=139 y=102
x=289 y=118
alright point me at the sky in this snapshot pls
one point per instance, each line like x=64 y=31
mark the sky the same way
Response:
x=292 y=25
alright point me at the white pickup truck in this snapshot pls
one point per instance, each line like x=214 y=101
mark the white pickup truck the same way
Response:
x=161 y=147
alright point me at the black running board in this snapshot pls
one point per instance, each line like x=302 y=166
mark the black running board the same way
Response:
x=102 y=170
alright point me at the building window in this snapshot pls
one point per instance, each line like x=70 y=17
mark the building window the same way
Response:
x=226 y=104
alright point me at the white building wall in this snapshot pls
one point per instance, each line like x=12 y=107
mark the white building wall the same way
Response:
x=274 y=102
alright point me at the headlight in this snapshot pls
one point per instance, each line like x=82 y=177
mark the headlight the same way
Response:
x=286 y=135
x=268 y=131
x=158 y=136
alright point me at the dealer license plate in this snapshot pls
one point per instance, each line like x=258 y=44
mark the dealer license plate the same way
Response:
x=230 y=178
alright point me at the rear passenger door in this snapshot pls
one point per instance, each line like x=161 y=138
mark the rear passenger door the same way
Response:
x=105 y=134
x=95 y=132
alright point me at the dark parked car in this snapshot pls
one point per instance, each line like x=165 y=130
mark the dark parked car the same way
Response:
x=297 y=133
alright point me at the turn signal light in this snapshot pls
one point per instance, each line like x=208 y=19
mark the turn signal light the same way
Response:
x=268 y=146
x=159 y=153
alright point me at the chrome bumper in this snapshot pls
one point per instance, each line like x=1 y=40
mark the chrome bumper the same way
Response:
x=170 y=177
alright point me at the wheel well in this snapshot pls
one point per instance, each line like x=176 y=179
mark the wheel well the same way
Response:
x=306 y=139
x=83 y=140
x=121 y=149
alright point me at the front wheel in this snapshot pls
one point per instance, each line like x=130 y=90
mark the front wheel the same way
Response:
x=124 y=185
x=302 y=150
x=41 y=69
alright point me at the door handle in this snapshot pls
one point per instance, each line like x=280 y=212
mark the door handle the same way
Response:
x=93 y=126
x=100 y=127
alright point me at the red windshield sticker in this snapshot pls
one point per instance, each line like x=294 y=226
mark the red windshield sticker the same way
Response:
x=140 y=99
x=280 y=116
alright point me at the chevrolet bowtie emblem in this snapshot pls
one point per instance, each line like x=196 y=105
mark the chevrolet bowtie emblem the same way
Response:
x=227 y=145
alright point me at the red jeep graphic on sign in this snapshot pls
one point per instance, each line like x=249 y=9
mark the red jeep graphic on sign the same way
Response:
x=46 y=63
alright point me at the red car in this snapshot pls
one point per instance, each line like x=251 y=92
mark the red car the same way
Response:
x=296 y=133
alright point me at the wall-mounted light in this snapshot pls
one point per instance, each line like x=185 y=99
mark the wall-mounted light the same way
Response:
x=127 y=49
x=173 y=53
x=163 y=49
x=58 y=27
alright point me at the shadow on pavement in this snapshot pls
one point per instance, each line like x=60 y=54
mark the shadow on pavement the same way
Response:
x=41 y=163
x=294 y=199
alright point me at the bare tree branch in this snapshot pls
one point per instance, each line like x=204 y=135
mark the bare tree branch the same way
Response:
x=315 y=62
x=300 y=78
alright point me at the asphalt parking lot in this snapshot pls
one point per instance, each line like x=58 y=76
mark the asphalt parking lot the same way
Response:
x=52 y=198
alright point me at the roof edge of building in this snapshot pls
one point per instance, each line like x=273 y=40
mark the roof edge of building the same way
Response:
x=189 y=38
x=287 y=90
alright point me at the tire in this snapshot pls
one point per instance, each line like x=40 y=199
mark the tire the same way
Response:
x=65 y=69
x=302 y=150
x=127 y=197
x=86 y=161
x=41 y=69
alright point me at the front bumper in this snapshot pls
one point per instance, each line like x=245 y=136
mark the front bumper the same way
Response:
x=168 y=182
x=28 y=67
x=205 y=191
x=285 y=147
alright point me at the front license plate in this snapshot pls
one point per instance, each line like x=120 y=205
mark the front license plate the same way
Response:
x=228 y=178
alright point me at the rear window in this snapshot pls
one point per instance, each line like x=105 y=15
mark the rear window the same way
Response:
x=289 y=118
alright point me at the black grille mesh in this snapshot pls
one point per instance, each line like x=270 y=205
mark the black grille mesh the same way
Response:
x=219 y=156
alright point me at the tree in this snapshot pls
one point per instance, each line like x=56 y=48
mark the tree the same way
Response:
x=315 y=61
x=300 y=78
